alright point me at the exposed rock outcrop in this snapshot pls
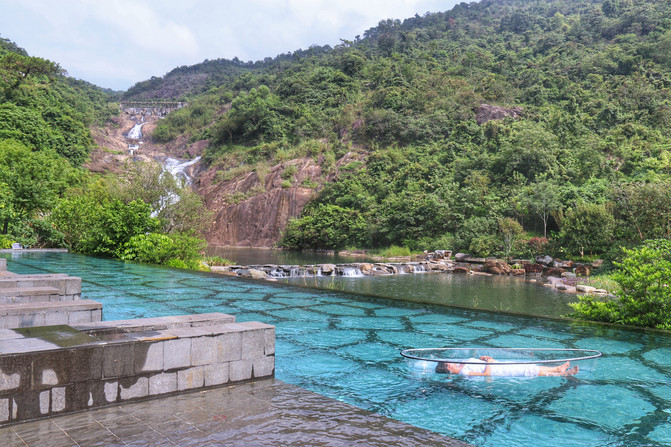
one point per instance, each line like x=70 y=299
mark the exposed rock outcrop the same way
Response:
x=497 y=267
x=253 y=211
x=487 y=112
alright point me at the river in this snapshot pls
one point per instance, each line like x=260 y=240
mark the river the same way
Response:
x=496 y=293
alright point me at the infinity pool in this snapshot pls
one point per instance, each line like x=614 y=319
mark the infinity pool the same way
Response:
x=347 y=347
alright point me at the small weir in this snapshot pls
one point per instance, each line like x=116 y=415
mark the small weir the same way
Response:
x=354 y=270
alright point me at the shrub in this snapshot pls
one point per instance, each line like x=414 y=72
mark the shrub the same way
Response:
x=588 y=227
x=484 y=246
x=217 y=260
x=394 y=252
x=537 y=246
x=5 y=242
x=158 y=248
x=326 y=227
x=644 y=276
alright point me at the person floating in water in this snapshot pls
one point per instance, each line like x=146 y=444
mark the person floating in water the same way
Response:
x=483 y=367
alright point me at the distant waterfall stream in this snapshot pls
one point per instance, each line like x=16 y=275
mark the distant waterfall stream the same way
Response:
x=135 y=134
x=176 y=168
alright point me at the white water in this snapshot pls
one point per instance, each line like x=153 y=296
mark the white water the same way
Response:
x=351 y=272
x=136 y=132
x=177 y=168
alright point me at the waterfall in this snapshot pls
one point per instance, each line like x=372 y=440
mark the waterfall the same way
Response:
x=136 y=132
x=177 y=168
x=350 y=272
x=277 y=273
x=420 y=268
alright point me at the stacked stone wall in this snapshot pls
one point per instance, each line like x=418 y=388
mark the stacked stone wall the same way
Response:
x=128 y=361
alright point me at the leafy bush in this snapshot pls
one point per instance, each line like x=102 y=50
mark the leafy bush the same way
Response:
x=101 y=227
x=484 y=246
x=326 y=227
x=537 y=246
x=158 y=248
x=644 y=276
x=393 y=252
x=5 y=242
x=475 y=228
x=217 y=260
x=587 y=227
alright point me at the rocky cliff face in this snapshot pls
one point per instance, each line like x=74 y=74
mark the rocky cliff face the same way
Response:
x=249 y=210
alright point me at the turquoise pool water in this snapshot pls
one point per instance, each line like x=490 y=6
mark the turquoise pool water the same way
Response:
x=347 y=347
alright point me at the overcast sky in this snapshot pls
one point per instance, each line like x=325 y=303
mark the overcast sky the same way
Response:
x=116 y=43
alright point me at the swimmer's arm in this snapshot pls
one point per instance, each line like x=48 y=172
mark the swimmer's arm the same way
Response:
x=488 y=368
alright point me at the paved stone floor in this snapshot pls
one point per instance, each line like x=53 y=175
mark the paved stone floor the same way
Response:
x=264 y=413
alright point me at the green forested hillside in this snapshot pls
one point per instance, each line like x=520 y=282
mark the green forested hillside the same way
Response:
x=48 y=199
x=586 y=162
x=44 y=138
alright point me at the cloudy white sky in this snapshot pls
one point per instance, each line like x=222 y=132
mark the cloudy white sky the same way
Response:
x=116 y=43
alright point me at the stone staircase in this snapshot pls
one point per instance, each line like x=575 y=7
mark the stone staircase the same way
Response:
x=43 y=300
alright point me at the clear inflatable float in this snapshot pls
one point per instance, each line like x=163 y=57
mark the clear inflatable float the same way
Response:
x=502 y=362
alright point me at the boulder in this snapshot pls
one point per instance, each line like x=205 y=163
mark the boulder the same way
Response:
x=460 y=270
x=597 y=263
x=365 y=268
x=545 y=260
x=585 y=289
x=531 y=269
x=566 y=264
x=443 y=254
x=437 y=266
x=459 y=257
x=497 y=267
x=553 y=271
x=327 y=269
x=518 y=272
x=254 y=274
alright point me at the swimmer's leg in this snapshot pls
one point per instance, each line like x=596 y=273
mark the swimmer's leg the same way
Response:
x=553 y=370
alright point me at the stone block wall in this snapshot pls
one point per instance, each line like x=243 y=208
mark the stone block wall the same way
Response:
x=69 y=287
x=165 y=355
x=20 y=315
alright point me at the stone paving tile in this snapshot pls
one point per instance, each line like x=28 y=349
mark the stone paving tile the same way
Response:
x=262 y=413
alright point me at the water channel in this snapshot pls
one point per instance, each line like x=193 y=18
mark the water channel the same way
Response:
x=346 y=346
x=497 y=293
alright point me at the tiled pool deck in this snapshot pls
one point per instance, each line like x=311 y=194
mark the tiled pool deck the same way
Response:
x=263 y=413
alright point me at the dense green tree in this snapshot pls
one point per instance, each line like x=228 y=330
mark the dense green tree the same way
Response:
x=644 y=276
x=35 y=179
x=99 y=226
x=543 y=199
x=326 y=227
x=587 y=227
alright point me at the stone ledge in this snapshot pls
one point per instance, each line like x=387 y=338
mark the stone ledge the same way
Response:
x=128 y=363
x=46 y=306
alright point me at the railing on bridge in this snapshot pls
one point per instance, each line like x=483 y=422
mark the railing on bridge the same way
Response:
x=149 y=104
